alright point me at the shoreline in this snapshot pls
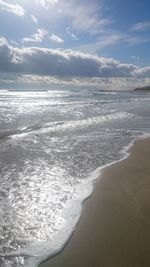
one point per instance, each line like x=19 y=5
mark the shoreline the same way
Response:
x=97 y=238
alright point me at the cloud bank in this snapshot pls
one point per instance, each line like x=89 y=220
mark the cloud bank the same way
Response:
x=63 y=63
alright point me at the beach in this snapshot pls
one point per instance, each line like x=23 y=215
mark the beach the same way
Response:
x=52 y=155
x=114 y=228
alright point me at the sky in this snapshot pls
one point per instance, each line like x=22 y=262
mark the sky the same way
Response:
x=48 y=43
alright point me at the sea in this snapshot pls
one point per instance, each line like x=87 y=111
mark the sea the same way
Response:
x=53 y=146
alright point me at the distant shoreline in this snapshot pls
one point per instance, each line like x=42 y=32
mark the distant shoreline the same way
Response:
x=144 y=88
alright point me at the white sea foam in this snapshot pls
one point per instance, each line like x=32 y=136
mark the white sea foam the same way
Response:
x=37 y=252
x=3 y=91
x=71 y=125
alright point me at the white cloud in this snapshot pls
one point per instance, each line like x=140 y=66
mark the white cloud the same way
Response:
x=85 y=17
x=135 y=40
x=80 y=16
x=34 y=19
x=3 y=41
x=56 y=38
x=36 y=37
x=39 y=36
x=135 y=57
x=46 y=3
x=141 y=26
x=104 y=41
x=12 y=8
x=112 y=38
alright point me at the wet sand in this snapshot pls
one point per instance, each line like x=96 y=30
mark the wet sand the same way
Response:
x=114 y=229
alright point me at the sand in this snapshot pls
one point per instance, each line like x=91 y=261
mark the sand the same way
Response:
x=114 y=229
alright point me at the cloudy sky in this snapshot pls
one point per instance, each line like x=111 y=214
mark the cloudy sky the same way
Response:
x=46 y=43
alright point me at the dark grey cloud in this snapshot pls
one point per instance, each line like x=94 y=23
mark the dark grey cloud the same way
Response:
x=63 y=63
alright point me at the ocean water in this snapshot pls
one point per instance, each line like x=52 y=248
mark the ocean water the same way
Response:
x=53 y=145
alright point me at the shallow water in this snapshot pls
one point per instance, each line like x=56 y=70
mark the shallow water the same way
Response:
x=52 y=145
